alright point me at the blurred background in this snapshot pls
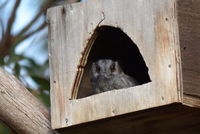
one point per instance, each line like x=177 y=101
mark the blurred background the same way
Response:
x=23 y=44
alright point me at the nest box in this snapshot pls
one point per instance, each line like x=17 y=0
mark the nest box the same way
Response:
x=148 y=40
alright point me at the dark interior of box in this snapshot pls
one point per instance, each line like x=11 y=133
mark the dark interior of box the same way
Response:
x=113 y=43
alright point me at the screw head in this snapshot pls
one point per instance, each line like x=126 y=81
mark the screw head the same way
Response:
x=66 y=120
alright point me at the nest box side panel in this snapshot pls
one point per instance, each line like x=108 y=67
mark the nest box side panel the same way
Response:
x=189 y=29
x=69 y=33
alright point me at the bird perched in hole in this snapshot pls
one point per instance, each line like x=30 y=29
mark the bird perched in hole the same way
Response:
x=108 y=75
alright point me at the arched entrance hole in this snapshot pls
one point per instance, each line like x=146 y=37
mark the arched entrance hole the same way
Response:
x=113 y=43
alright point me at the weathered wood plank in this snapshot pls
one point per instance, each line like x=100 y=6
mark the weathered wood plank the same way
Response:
x=112 y=103
x=152 y=26
x=189 y=29
x=170 y=119
x=20 y=110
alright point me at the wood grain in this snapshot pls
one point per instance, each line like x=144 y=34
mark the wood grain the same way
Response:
x=189 y=29
x=20 y=110
x=151 y=25
x=169 y=119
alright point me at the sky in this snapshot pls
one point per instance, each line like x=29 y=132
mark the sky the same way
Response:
x=26 y=11
x=33 y=47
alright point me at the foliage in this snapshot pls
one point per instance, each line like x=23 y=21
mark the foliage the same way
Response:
x=4 y=130
x=33 y=74
x=24 y=67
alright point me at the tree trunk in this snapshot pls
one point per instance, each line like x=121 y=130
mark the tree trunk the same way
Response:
x=20 y=110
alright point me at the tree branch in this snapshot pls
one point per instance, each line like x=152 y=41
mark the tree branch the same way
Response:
x=12 y=18
x=6 y=41
x=42 y=10
x=72 y=1
x=20 y=110
x=2 y=32
x=10 y=40
x=23 y=37
x=3 y=4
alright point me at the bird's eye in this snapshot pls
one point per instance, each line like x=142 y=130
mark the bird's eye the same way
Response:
x=112 y=68
x=98 y=69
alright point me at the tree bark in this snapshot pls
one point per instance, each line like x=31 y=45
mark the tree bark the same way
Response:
x=20 y=110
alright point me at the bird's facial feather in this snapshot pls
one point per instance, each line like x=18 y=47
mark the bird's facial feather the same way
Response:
x=106 y=68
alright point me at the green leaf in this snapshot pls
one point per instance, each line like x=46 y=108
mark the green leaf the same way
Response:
x=17 y=70
x=45 y=98
x=15 y=58
x=42 y=82
x=2 y=61
x=5 y=130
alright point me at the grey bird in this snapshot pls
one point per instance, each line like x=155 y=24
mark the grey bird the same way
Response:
x=108 y=75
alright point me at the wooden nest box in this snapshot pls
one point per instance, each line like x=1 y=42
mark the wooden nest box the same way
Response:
x=156 y=42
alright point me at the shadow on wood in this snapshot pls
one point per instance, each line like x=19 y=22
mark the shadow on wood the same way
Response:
x=169 y=119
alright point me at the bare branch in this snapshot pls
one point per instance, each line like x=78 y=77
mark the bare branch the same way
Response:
x=42 y=10
x=1 y=25
x=3 y=4
x=9 y=39
x=23 y=37
x=72 y=1
x=36 y=30
x=6 y=41
x=2 y=31
x=12 y=18
x=61 y=2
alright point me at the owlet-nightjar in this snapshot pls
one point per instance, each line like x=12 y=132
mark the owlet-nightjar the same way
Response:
x=108 y=75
